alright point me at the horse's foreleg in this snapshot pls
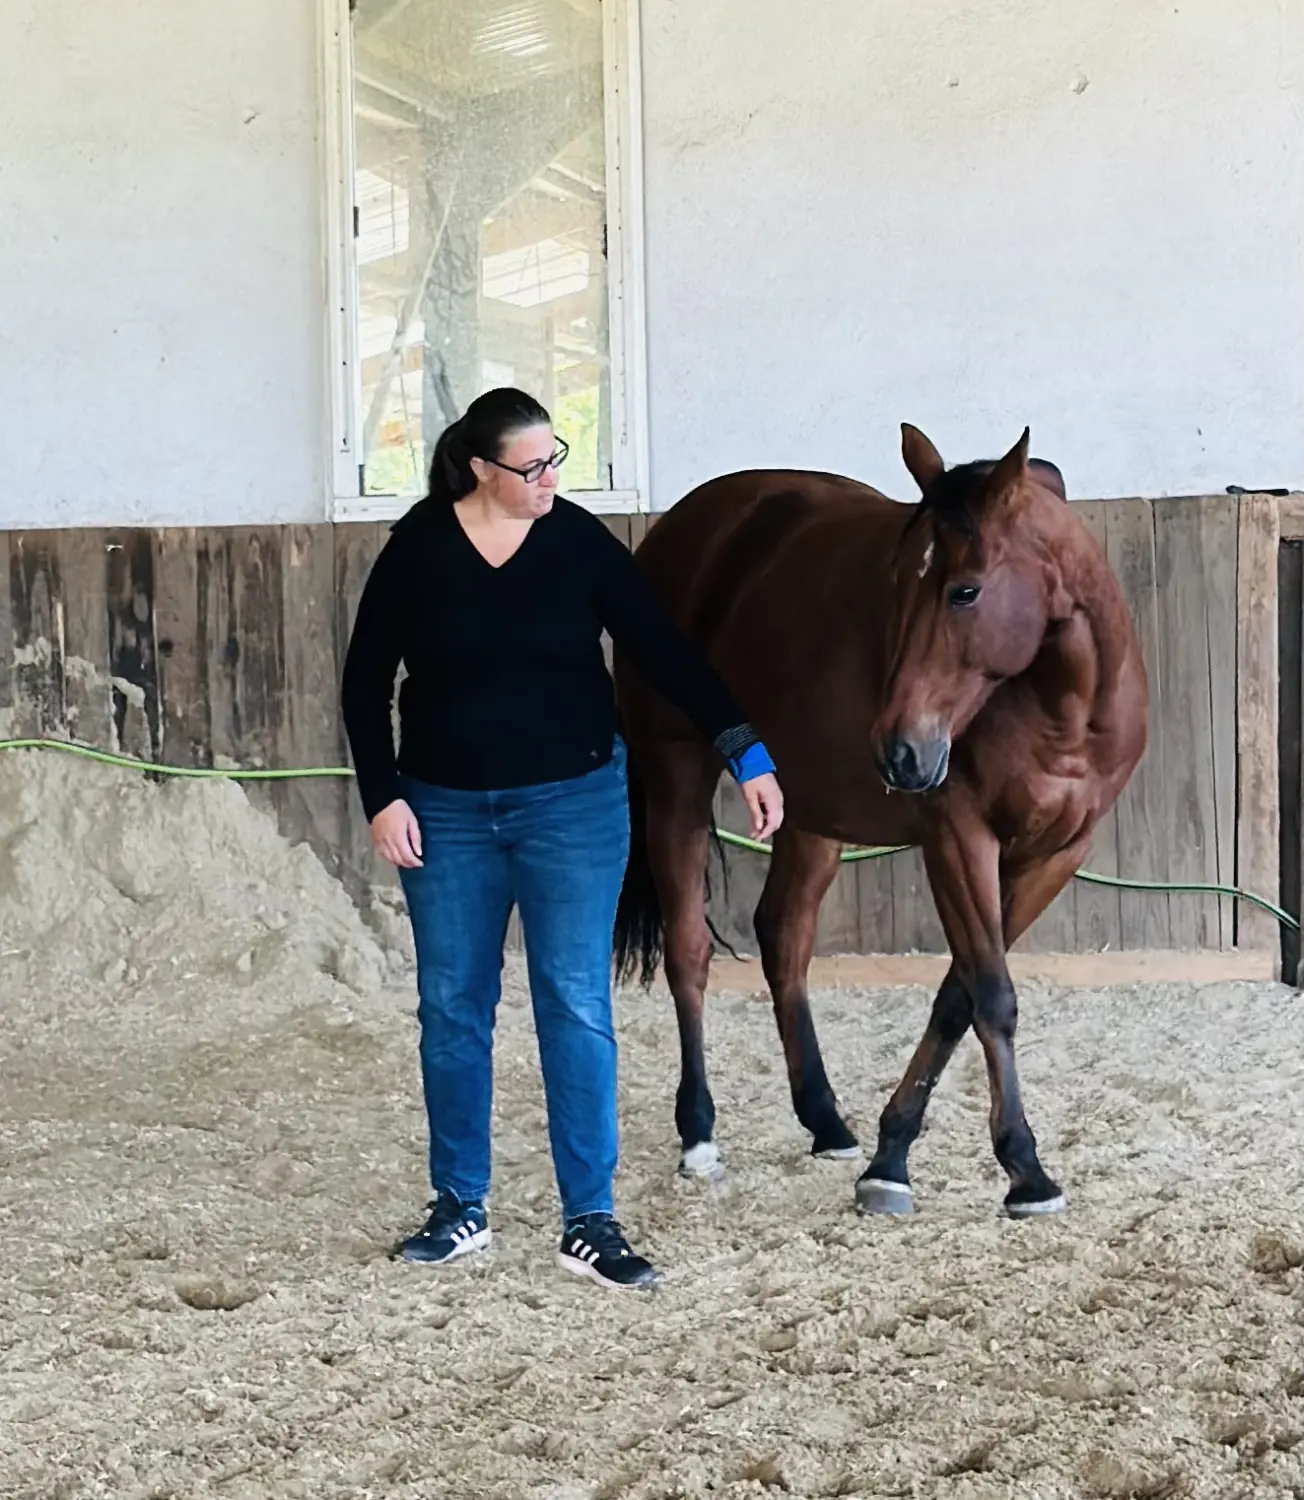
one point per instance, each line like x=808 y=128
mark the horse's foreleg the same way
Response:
x=963 y=861
x=963 y=871
x=679 y=792
x=996 y=1015
x=1025 y=895
x=802 y=870
x=885 y=1186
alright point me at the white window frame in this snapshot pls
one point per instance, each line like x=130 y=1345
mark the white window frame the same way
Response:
x=623 y=101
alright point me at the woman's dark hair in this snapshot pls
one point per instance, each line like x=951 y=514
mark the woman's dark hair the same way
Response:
x=481 y=432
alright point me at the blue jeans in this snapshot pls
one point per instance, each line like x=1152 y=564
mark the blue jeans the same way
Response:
x=558 y=852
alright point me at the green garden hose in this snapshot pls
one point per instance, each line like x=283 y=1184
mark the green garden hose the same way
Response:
x=1176 y=888
x=849 y=856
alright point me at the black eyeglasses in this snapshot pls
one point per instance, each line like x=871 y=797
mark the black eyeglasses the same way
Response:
x=534 y=472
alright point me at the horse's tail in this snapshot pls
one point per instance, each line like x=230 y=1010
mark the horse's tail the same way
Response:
x=638 y=935
x=639 y=944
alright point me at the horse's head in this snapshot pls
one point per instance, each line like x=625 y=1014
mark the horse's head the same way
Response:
x=977 y=587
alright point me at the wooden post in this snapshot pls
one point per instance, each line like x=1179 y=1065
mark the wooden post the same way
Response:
x=1258 y=821
x=1290 y=758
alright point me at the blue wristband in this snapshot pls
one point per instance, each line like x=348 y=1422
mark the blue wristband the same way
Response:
x=753 y=762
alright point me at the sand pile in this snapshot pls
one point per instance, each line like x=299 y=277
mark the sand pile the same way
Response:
x=107 y=875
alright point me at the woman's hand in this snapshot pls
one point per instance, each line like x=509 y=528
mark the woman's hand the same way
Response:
x=765 y=803
x=397 y=835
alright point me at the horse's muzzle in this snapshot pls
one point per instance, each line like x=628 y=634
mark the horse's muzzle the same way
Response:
x=907 y=767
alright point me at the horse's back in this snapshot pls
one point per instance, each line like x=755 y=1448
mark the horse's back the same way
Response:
x=720 y=505
x=727 y=533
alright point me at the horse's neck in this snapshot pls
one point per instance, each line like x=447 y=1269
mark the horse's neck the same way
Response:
x=1081 y=667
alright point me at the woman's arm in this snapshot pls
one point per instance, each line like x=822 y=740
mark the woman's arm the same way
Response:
x=639 y=623
x=367 y=689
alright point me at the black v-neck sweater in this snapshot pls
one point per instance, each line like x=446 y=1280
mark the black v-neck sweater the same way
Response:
x=506 y=684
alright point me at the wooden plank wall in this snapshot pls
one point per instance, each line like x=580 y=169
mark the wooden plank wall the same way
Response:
x=223 y=646
x=196 y=647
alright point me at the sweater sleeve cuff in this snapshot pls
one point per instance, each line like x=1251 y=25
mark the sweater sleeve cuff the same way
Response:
x=377 y=794
x=747 y=756
x=733 y=742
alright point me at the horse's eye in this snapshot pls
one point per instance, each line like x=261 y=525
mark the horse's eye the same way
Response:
x=963 y=596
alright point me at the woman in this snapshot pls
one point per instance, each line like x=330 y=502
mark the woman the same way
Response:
x=509 y=788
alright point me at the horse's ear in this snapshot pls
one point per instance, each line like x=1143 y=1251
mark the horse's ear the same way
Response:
x=921 y=458
x=1009 y=471
x=1049 y=475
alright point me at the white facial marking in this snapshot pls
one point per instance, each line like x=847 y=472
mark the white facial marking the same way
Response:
x=928 y=559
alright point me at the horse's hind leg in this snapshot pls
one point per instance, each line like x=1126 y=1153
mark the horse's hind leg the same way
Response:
x=802 y=870
x=679 y=786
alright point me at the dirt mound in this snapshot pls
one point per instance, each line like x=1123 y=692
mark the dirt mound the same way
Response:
x=106 y=874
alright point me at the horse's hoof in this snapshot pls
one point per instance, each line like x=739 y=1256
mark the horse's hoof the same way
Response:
x=1041 y=1208
x=834 y=1142
x=875 y=1195
x=702 y=1162
x=838 y=1153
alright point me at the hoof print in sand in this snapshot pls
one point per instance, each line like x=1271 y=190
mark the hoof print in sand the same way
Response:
x=212 y=1294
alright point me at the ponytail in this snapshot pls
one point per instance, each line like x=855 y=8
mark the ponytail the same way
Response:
x=481 y=432
x=451 y=475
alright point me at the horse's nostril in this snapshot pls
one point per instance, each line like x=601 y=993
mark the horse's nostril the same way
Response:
x=908 y=767
x=901 y=763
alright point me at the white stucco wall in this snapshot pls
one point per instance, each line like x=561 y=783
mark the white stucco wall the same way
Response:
x=161 y=294
x=1088 y=217
x=868 y=211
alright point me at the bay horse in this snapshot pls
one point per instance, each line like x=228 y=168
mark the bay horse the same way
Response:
x=962 y=674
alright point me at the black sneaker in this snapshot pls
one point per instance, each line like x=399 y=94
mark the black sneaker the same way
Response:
x=595 y=1246
x=453 y=1229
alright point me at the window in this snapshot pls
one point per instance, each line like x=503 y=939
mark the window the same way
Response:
x=486 y=231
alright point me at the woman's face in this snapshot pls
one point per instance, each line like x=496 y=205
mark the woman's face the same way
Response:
x=512 y=493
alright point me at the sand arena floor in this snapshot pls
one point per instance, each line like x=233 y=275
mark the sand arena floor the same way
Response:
x=210 y=1135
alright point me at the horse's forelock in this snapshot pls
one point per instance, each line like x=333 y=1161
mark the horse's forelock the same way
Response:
x=951 y=501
